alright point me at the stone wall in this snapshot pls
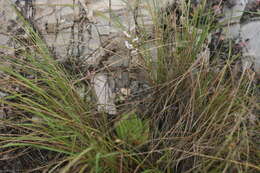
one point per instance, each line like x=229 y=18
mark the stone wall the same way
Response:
x=76 y=28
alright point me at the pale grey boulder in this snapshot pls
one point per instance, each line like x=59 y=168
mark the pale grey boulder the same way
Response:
x=105 y=98
x=250 y=34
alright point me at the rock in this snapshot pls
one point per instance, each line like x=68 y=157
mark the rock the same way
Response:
x=238 y=27
x=232 y=16
x=2 y=112
x=105 y=99
x=250 y=34
x=2 y=94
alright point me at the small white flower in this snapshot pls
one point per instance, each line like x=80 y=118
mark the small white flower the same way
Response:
x=134 y=52
x=62 y=20
x=125 y=91
x=126 y=34
x=135 y=39
x=128 y=45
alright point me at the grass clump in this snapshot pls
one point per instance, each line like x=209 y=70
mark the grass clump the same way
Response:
x=198 y=118
x=201 y=112
x=48 y=114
